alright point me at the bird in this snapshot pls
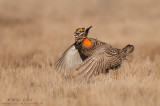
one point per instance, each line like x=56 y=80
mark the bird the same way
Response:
x=91 y=56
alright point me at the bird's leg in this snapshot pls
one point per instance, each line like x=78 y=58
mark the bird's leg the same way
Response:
x=115 y=74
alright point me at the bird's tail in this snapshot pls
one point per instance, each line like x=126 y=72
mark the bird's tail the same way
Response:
x=126 y=51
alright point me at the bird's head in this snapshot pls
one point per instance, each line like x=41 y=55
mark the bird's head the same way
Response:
x=80 y=34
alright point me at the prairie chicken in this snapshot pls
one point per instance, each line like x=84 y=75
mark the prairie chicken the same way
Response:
x=91 y=56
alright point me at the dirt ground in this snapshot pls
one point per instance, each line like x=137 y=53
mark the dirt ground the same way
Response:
x=35 y=33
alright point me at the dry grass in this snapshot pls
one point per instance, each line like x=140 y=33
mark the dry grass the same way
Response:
x=34 y=33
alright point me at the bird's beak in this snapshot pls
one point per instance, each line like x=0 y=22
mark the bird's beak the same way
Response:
x=87 y=30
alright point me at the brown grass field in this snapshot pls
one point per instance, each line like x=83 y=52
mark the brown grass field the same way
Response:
x=34 y=34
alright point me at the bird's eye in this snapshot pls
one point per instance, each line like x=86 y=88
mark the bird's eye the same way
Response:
x=82 y=34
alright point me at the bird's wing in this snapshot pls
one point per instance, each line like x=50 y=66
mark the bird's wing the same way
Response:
x=69 y=59
x=104 y=57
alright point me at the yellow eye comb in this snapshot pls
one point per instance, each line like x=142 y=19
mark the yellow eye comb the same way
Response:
x=79 y=30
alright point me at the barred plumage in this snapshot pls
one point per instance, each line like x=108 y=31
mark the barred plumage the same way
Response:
x=91 y=56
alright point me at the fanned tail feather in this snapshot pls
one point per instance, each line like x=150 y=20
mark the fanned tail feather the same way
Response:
x=127 y=50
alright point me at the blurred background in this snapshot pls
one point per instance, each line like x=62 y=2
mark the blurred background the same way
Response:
x=44 y=29
x=35 y=33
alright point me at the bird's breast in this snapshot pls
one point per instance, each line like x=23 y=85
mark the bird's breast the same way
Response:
x=87 y=49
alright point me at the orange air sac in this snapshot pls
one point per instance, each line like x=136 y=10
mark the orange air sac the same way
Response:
x=86 y=42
